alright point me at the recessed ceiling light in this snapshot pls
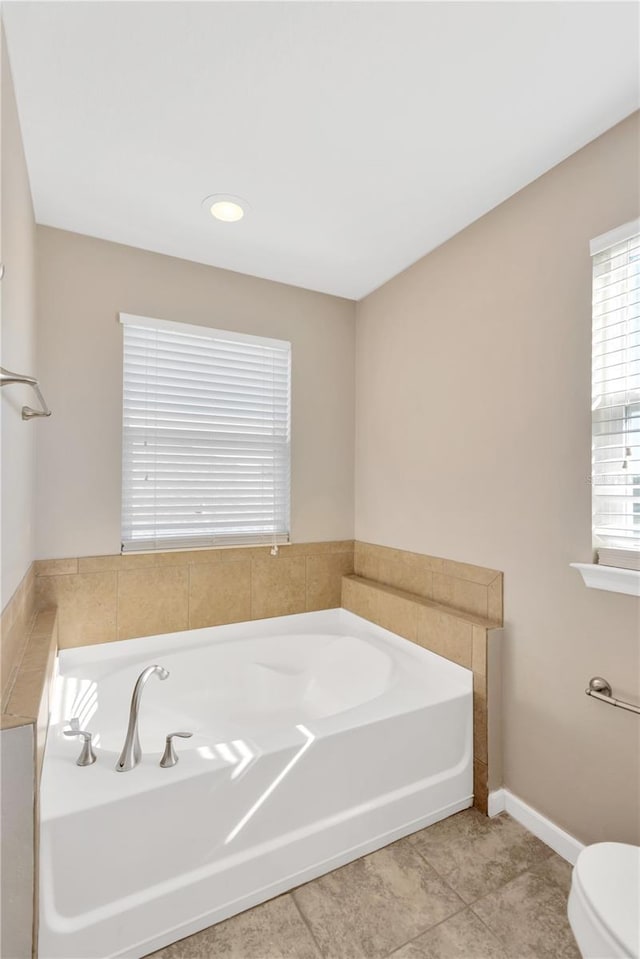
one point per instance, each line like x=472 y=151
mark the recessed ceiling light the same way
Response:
x=228 y=209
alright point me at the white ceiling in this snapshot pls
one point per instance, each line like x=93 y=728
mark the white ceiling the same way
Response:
x=361 y=134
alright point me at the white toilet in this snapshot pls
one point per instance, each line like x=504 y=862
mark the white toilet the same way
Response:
x=604 y=903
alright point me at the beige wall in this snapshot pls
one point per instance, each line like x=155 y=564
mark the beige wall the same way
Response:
x=17 y=306
x=473 y=442
x=83 y=283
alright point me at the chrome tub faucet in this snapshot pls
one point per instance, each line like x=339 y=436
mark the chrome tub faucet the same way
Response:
x=131 y=752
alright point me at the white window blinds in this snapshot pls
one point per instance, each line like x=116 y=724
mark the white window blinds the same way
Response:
x=616 y=388
x=206 y=447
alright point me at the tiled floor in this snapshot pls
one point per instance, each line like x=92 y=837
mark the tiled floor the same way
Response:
x=466 y=888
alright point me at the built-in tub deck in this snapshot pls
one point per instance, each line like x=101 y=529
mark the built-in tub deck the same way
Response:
x=317 y=738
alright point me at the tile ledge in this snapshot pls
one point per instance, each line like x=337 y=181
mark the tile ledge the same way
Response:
x=9 y=721
x=28 y=632
x=42 y=637
x=429 y=603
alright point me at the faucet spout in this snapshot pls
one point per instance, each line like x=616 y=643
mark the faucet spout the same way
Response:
x=131 y=752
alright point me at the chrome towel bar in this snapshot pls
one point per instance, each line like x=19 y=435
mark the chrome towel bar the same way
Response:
x=7 y=378
x=600 y=689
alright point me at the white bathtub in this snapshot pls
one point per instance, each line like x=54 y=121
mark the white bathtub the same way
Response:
x=316 y=738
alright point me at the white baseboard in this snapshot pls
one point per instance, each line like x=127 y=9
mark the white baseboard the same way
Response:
x=560 y=841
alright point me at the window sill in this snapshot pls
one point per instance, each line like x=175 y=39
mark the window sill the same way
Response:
x=611 y=578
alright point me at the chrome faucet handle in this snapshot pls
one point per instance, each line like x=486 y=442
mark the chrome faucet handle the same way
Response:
x=87 y=756
x=169 y=756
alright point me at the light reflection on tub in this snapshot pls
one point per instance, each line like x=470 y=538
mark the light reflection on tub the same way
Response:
x=309 y=738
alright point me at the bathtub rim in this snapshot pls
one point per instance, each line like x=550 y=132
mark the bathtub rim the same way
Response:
x=72 y=657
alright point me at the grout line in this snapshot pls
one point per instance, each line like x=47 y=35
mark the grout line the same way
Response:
x=304 y=918
x=7 y=690
x=59 y=575
x=494 y=932
x=117 y=603
x=406 y=942
x=250 y=587
x=504 y=885
x=489 y=929
x=425 y=931
x=486 y=895
x=444 y=879
x=189 y=596
x=430 y=864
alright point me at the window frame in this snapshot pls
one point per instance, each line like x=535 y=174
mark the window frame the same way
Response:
x=602 y=540
x=277 y=415
x=603 y=574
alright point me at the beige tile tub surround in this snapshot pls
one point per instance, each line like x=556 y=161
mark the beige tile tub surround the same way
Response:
x=471 y=589
x=153 y=600
x=86 y=604
x=445 y=606
x=28 y=698
x=278 y=586
x=220 y=593
x=105 y=598
x=15 y=627
x=459 y=633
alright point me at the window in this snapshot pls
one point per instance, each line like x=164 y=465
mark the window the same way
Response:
x=616 y=391
x=206 y=437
